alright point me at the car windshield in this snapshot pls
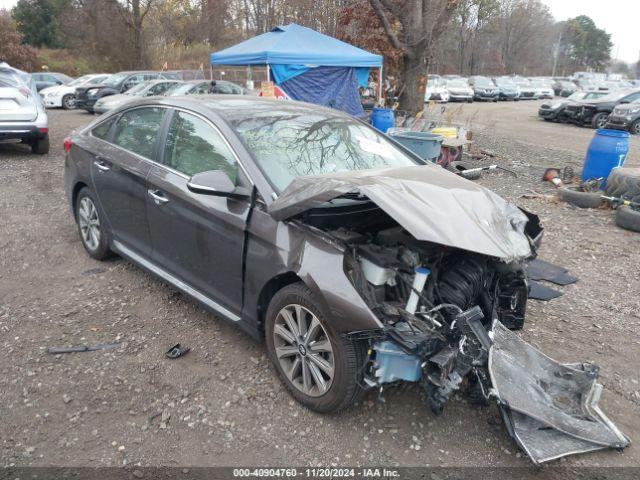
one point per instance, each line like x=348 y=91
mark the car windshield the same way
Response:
x=80 y=80
x=457 y=84
x=523 y=82
x=290 y=143
x=180 y=89
x=578 y=95
x=615 y=96
x=115 y=79
x=504 y=82
x=483 y=82
x=540 y=83
x=138 y=89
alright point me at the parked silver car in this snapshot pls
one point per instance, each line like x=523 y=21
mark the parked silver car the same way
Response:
x=145 y=89
x=22 y=114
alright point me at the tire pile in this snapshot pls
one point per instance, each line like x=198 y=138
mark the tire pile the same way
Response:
x=623 y=183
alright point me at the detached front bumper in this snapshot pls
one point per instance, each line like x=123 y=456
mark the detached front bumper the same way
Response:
x=551 y=409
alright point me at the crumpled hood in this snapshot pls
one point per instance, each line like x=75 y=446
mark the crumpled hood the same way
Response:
x=431 y=203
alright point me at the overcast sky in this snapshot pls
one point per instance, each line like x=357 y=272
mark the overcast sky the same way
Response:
x=618 y=17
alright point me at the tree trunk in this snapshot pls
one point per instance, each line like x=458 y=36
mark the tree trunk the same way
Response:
x=412 y=96
x=138 y=44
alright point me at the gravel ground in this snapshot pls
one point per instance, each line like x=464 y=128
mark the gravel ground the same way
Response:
x=222 y=404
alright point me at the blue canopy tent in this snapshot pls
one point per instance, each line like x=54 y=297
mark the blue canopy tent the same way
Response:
x=307 y=65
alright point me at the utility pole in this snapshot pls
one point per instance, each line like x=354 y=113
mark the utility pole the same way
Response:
x=556 y=54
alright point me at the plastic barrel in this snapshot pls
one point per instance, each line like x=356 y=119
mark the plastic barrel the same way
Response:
x=424 y=144
x=382 y=119
x=608 y=149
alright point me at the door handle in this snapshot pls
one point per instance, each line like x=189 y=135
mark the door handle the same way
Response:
x=158 y=197
x=101 y=166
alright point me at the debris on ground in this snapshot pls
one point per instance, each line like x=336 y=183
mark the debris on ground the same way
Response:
x=176 y=351
x=82 y=348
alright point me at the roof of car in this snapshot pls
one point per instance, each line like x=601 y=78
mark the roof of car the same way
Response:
x=234 y=106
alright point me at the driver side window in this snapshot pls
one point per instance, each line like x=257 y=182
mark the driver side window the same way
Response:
x=194 y=146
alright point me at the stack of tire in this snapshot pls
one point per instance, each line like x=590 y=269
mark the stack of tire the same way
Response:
x=625 y=183
x=622 y=183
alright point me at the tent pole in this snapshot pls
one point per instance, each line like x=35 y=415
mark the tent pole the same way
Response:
x=211 y=67
x=380 y=86
x=268 y=73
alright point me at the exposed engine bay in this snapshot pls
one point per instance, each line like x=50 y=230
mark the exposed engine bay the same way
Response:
x=439 y=306
x=427 y=296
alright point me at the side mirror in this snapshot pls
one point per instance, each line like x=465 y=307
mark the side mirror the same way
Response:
x=216 y=183
x=624 y=101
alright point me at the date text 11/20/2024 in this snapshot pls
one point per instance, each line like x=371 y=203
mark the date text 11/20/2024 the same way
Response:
x=316 y=472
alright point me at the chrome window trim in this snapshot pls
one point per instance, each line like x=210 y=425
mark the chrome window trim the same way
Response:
x=224 y=139
x=162 y=165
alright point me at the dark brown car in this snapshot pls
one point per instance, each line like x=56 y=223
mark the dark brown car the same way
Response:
x=359 y=264
x=305 y=226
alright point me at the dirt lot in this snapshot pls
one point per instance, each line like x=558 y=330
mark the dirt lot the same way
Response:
x=221 y=404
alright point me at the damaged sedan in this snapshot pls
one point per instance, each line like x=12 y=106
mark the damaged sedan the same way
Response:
x=359 y=264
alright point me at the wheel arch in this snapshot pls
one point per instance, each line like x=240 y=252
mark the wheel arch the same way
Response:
x=74 y=194
x=270 y=288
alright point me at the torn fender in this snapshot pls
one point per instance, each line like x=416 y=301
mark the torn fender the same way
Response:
x=431 y=203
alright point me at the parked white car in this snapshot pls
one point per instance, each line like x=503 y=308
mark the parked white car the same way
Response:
x=459 y=90
x=63 y=96
x=23 y=117
x=543 y=88
x=436 y=90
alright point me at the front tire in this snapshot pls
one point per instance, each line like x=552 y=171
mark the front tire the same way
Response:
x=91 y=226
x=68 y=102
x=600 y=120
x=320 y=369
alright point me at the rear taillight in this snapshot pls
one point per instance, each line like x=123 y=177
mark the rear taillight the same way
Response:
x=44 y=130
x=67 y=144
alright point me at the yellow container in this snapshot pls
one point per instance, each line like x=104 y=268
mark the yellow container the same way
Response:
x=446 y=132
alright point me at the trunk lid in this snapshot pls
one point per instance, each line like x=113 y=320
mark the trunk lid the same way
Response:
x=431 y=203
x=18 y=96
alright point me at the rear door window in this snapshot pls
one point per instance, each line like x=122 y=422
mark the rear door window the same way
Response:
x=194 y=146
x=101 y=131
x=137 y=130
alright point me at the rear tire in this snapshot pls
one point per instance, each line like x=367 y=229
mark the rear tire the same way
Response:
x=40 y=146
x=347 y=357
x=580 y=199
x=91 y=225
x=635 y=127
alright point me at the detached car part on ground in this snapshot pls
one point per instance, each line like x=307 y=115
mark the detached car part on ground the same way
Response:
x=375 y=269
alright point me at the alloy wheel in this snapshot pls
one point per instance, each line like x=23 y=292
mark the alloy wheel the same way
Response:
x=602 y=121
x=89 y=223
x=69 y=102
x=304 y=350
x=636 y=128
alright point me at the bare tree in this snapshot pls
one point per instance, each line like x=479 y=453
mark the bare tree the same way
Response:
x=412 y=27
x=134 y=13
